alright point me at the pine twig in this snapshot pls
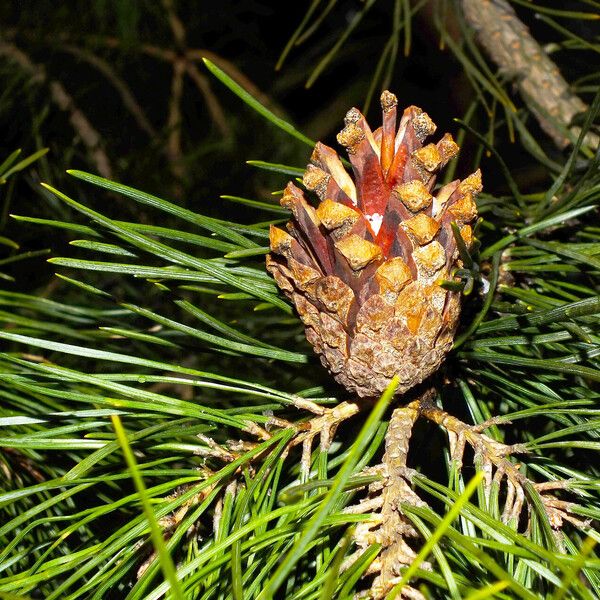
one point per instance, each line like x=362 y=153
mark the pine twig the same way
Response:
x=496 y=466
x=127 y=97
x=395 y=527
x=174 y=151
x=390 y=527
x=203 y=85
x=510 y=45
x=175 y=23
x=190 y=56
x=59 y=95
x=174 y=148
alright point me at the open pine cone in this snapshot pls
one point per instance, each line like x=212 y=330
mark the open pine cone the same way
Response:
x=364 y=267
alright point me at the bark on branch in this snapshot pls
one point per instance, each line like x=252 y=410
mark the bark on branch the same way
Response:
x=518 y=55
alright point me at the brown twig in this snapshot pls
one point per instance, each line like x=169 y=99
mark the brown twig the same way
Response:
x=491 y=456
x=519 y=56
x=203 y=85
x=59 y=95
x=174 y=152
x=170 y=522
x=175 y=23
x=164 y=54
x=189 y=56
x=127 y=97
x=24 y=463
x=395 y=527
x=389 y=526
x=198 y=54
x=324 y=425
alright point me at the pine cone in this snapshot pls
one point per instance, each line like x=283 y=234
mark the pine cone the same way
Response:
x=364 y=267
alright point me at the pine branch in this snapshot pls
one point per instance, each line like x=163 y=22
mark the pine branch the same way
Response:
x=127 y=97
x=521 y=58
x=59 y=95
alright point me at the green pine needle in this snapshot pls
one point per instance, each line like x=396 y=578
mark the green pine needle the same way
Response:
x=164 y=557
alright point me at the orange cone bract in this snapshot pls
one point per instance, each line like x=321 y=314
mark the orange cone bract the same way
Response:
x=364 y=266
